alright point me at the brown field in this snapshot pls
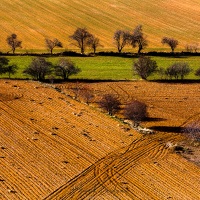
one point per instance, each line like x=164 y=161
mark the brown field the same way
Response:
x=54 y=147
x=33 y=21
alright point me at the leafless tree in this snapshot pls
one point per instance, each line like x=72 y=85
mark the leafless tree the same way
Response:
x=87 y=94
x=51 y=44
x=13 y=42
x=39 y=68
x=144 y=67
x=177 y=69
x=192 y=47
x=93 y=43
x=77 y=90
x=121 y=39
x=138 y=39
x=171 y=42
x=110 y=103
x=135 y=111
x=81 y=37
x=66 y=68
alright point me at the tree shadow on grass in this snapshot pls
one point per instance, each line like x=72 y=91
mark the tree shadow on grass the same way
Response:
x=169 y=129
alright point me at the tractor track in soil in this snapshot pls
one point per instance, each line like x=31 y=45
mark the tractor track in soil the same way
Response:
x=107 y=173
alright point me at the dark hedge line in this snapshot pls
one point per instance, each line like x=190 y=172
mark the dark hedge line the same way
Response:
x=105 y=53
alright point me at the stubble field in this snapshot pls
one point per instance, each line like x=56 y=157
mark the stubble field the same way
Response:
x=54 y=147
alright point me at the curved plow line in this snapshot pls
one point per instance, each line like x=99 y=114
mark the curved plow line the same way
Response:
x=104 y=180
x=92 y=182
x=115 y=91
x=72 y=183
x=129 y=98
x=10 y=97
x=95 y=187
x=119 y=95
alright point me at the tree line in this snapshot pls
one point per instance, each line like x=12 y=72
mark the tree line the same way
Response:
x=39 y=68
x=83 y=39
x=143 y=67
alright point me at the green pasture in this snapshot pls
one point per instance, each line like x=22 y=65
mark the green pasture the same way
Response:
x=105 y=67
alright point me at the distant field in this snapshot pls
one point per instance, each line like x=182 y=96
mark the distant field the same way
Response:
x=33 y=21
x=105 y=67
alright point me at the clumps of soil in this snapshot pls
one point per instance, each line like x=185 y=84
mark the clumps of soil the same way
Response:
x=86 y=134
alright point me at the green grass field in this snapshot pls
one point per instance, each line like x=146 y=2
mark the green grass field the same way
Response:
x=105 y=67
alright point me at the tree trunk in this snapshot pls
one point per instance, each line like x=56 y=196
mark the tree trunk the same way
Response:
x=13 y=50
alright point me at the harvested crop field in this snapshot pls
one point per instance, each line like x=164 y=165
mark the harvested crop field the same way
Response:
x=54 y=147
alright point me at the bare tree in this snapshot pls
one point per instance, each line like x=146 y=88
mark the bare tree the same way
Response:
x=177 y=69
x=121 y=39
x=171 y=42
x=13 y=42
x=87 y=94
x=110 y=103
x=66 y=68
x=51 y=44
x=81 y=37
x=192 y=47
x=93 y=43
x=138 y=39
x=144 y=67
x=38 y=68
x=77 y=90
x=135 y=111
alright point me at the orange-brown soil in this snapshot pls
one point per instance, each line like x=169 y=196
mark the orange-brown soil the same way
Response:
x=54 y=147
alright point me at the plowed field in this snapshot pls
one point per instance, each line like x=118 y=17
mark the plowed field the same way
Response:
x=33 y=21
x=53 y=147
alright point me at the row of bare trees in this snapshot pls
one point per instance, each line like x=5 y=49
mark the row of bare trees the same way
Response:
x=136 y=39
x=135 y=110
x=83 y=39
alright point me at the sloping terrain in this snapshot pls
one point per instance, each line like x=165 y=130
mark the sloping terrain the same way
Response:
x=33 y=21
x=47 y=138
x=53 y=147
x=142 y=170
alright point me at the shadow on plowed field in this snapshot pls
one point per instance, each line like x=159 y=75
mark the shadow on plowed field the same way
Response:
x=168 y=129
